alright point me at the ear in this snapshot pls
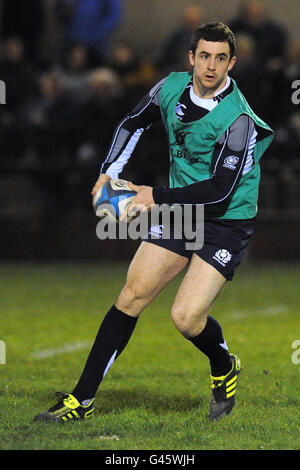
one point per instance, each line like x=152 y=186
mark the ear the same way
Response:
x=231 y=63
x=192 y=58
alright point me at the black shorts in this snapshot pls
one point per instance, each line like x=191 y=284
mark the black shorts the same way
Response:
x=224 y=245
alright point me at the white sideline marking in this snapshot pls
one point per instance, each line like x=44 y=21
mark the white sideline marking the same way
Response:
x=44 y=354
x=263 y=312
x=108 y=438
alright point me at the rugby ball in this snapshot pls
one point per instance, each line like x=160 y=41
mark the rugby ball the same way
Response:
x=112 y=199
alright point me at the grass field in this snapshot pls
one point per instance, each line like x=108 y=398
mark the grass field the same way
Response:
x=156 y=394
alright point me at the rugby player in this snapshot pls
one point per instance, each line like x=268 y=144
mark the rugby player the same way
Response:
x=216 y=142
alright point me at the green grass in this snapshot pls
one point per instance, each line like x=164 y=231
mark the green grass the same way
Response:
x=156 y=395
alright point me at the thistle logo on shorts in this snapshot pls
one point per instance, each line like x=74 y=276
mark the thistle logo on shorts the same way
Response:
x=230 y=162
x=222 y=256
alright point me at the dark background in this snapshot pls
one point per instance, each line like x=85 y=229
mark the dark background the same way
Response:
x=65 y=95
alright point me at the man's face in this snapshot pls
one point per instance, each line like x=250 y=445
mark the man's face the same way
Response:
x=211 y=63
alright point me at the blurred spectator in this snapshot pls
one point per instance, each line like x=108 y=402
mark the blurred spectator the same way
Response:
x=49 y=124
x=275 y=97
x=252 y=80
x=266 y=85
x=174 y=55
x=20 y=80
x=292 y=65
x=100 y=114
x=89 y=22
x=25 y=20
x=137 y=75
x=74 y=72
x=294 y=128
x=270 y=39
x=292 y=73
x=18 y=76
x=245 y=71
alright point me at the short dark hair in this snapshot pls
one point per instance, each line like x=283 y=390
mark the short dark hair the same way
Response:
x=214 y=32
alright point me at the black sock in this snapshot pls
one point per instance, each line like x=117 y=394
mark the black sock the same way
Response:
x=113 y=335
x=210 y=342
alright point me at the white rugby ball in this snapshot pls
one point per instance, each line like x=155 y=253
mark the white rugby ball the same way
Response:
x=112 y=199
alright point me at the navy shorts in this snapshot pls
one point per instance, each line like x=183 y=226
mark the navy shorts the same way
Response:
x=224 y=245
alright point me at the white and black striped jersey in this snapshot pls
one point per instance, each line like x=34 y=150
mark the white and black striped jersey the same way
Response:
x=233 y=154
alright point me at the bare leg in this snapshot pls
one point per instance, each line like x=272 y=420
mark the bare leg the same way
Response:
x=151 y=269
x=198 y=290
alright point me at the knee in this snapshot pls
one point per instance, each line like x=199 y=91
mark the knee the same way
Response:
x=189 y=321
x=132 y=298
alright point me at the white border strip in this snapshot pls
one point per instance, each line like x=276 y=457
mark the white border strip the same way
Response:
x=263 y=312
x=46 y=353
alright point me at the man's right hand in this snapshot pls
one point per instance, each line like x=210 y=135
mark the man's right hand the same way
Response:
x=100 y=182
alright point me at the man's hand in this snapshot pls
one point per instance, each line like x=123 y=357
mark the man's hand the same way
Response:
x=100 y=182
x=142 y=202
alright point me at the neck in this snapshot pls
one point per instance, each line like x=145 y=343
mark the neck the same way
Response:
x=205 y=92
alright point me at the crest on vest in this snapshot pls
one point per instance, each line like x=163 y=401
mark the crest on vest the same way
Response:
x=183 y=151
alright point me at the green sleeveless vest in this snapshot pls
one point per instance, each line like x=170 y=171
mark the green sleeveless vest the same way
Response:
x=192 y=144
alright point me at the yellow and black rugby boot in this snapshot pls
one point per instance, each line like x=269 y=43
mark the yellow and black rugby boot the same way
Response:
x=223 y=391
x=68 y=408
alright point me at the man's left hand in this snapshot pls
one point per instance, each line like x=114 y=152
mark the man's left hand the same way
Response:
x=142 y=202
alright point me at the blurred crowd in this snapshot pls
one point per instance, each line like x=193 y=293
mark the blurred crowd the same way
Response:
x=61 y=113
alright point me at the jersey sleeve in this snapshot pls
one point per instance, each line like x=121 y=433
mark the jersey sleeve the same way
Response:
x=233 y=156
x=129 y=131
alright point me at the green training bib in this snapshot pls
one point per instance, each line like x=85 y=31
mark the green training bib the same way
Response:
x=191 y=145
